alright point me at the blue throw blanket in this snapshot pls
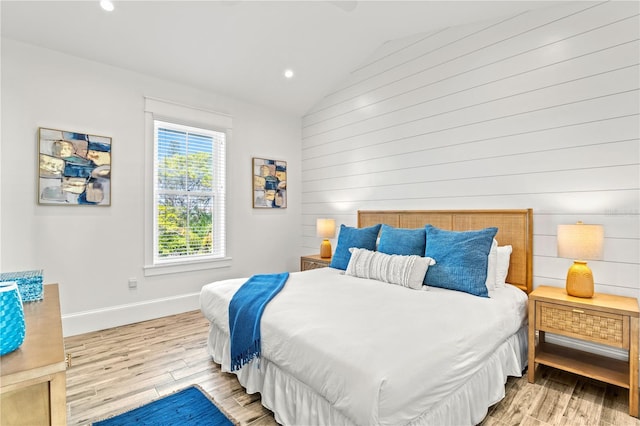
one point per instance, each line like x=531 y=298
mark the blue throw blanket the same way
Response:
x=245 y=312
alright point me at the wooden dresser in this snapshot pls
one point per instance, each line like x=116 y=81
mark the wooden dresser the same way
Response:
x=33 y=386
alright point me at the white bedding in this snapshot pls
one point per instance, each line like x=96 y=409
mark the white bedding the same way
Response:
x=372 y=352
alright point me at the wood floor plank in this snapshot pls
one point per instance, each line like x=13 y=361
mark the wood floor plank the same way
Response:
x=125 y=367
x=99 y=410
x=552 y=402
x=531 y=421
x=585 y=405
x=517 y=401
x=614 y=407
x=266 y=420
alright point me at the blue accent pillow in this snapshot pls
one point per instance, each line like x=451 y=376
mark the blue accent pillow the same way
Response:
x=400 y=241
x=353 y=237
x=461 y=259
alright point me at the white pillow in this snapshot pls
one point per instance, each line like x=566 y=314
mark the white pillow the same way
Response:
x=492 y=260
x=407 y=271
x=502 y=265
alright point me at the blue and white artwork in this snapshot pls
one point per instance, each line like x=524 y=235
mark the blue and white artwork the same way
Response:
x=74 y=168
x=269 y=183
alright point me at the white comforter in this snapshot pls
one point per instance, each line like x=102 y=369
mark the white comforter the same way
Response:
x=378 y=352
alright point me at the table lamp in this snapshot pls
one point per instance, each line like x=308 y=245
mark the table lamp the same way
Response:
x=325 y=228
x=580 y=242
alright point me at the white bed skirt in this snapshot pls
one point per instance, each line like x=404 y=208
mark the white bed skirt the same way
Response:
x=294 y=403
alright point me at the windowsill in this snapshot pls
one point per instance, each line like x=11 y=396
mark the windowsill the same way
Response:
x=186 y=266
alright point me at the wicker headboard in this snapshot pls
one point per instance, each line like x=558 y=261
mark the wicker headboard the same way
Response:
x=515 y=228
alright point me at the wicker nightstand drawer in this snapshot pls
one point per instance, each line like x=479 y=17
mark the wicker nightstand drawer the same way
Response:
x=595 y=326
x=314 y=262
x=312 y=265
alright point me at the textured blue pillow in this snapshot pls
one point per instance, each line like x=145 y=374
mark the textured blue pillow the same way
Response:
x=353 y=237
x=461 y=259
x=400 y=241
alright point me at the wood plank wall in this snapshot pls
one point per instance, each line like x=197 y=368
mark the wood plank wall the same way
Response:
x=537 y=110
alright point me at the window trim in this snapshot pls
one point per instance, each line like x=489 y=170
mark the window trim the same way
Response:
x=157 y=109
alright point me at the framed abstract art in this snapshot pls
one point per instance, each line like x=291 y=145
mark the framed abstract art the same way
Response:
x=269 y=184
x=73 y=168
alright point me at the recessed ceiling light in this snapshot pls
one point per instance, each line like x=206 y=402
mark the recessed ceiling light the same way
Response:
x=106 y=5
x=288 y=73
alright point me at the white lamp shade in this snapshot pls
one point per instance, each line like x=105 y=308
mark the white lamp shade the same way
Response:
x=580 y=241
x=326 y=228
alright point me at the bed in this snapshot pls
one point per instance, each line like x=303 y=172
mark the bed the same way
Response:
x=341 y=350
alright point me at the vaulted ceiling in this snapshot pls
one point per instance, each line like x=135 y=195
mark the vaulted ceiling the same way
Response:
x=240 y=48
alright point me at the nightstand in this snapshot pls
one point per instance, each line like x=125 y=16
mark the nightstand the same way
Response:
x=604 y=319
x=314 y=261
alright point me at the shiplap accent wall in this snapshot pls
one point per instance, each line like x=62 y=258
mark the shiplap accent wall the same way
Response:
x=537 y=110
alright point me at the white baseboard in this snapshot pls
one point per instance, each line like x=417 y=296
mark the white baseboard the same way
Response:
x=114 y=316
x=587 y=346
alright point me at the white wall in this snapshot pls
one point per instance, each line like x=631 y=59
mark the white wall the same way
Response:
x=93 y=251
x=538 y=110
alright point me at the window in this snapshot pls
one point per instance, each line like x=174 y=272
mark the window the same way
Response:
x=188 y=193
x=185 y=222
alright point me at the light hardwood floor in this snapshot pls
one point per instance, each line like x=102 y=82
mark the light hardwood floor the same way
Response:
x=122 y=368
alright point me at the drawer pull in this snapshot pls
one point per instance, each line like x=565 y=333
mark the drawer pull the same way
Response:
x=578 y=311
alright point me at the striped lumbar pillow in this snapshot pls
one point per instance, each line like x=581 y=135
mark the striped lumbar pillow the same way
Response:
x=407 y=271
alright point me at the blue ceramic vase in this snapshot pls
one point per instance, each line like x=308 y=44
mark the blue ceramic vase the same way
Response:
x=12 y=326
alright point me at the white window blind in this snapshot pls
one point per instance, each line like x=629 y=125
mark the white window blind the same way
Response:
x=189 y=193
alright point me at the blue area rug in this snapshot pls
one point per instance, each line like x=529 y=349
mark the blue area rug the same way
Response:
x=188 y=407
